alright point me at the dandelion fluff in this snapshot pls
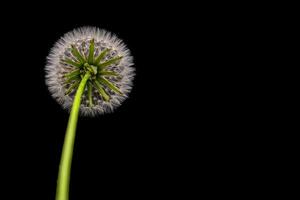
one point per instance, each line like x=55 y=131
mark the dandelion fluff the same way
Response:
x=95 y=51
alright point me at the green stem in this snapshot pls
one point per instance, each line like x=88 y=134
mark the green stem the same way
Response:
x=63 y=181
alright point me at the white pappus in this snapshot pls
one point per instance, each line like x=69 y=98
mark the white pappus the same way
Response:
x=99 y=52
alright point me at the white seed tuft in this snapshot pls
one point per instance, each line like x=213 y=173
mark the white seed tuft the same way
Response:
x=80 y=38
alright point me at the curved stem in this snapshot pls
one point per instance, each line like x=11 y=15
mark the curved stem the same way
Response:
x=63 y=181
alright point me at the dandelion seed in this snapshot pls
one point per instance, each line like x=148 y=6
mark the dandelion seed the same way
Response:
x=93 y=50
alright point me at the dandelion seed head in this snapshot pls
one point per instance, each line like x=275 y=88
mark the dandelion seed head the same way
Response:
x=99 y=52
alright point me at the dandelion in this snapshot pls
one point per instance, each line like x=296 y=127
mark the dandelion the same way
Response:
x=89 y=72
x=102 y=58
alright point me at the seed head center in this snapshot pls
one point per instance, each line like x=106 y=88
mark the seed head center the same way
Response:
x=90 y=68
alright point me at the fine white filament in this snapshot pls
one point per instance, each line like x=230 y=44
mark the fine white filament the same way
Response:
x=80 y=37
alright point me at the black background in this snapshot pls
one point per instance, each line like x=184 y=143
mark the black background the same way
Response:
x=144 y=148
x=179 y=130
x=195 y=122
